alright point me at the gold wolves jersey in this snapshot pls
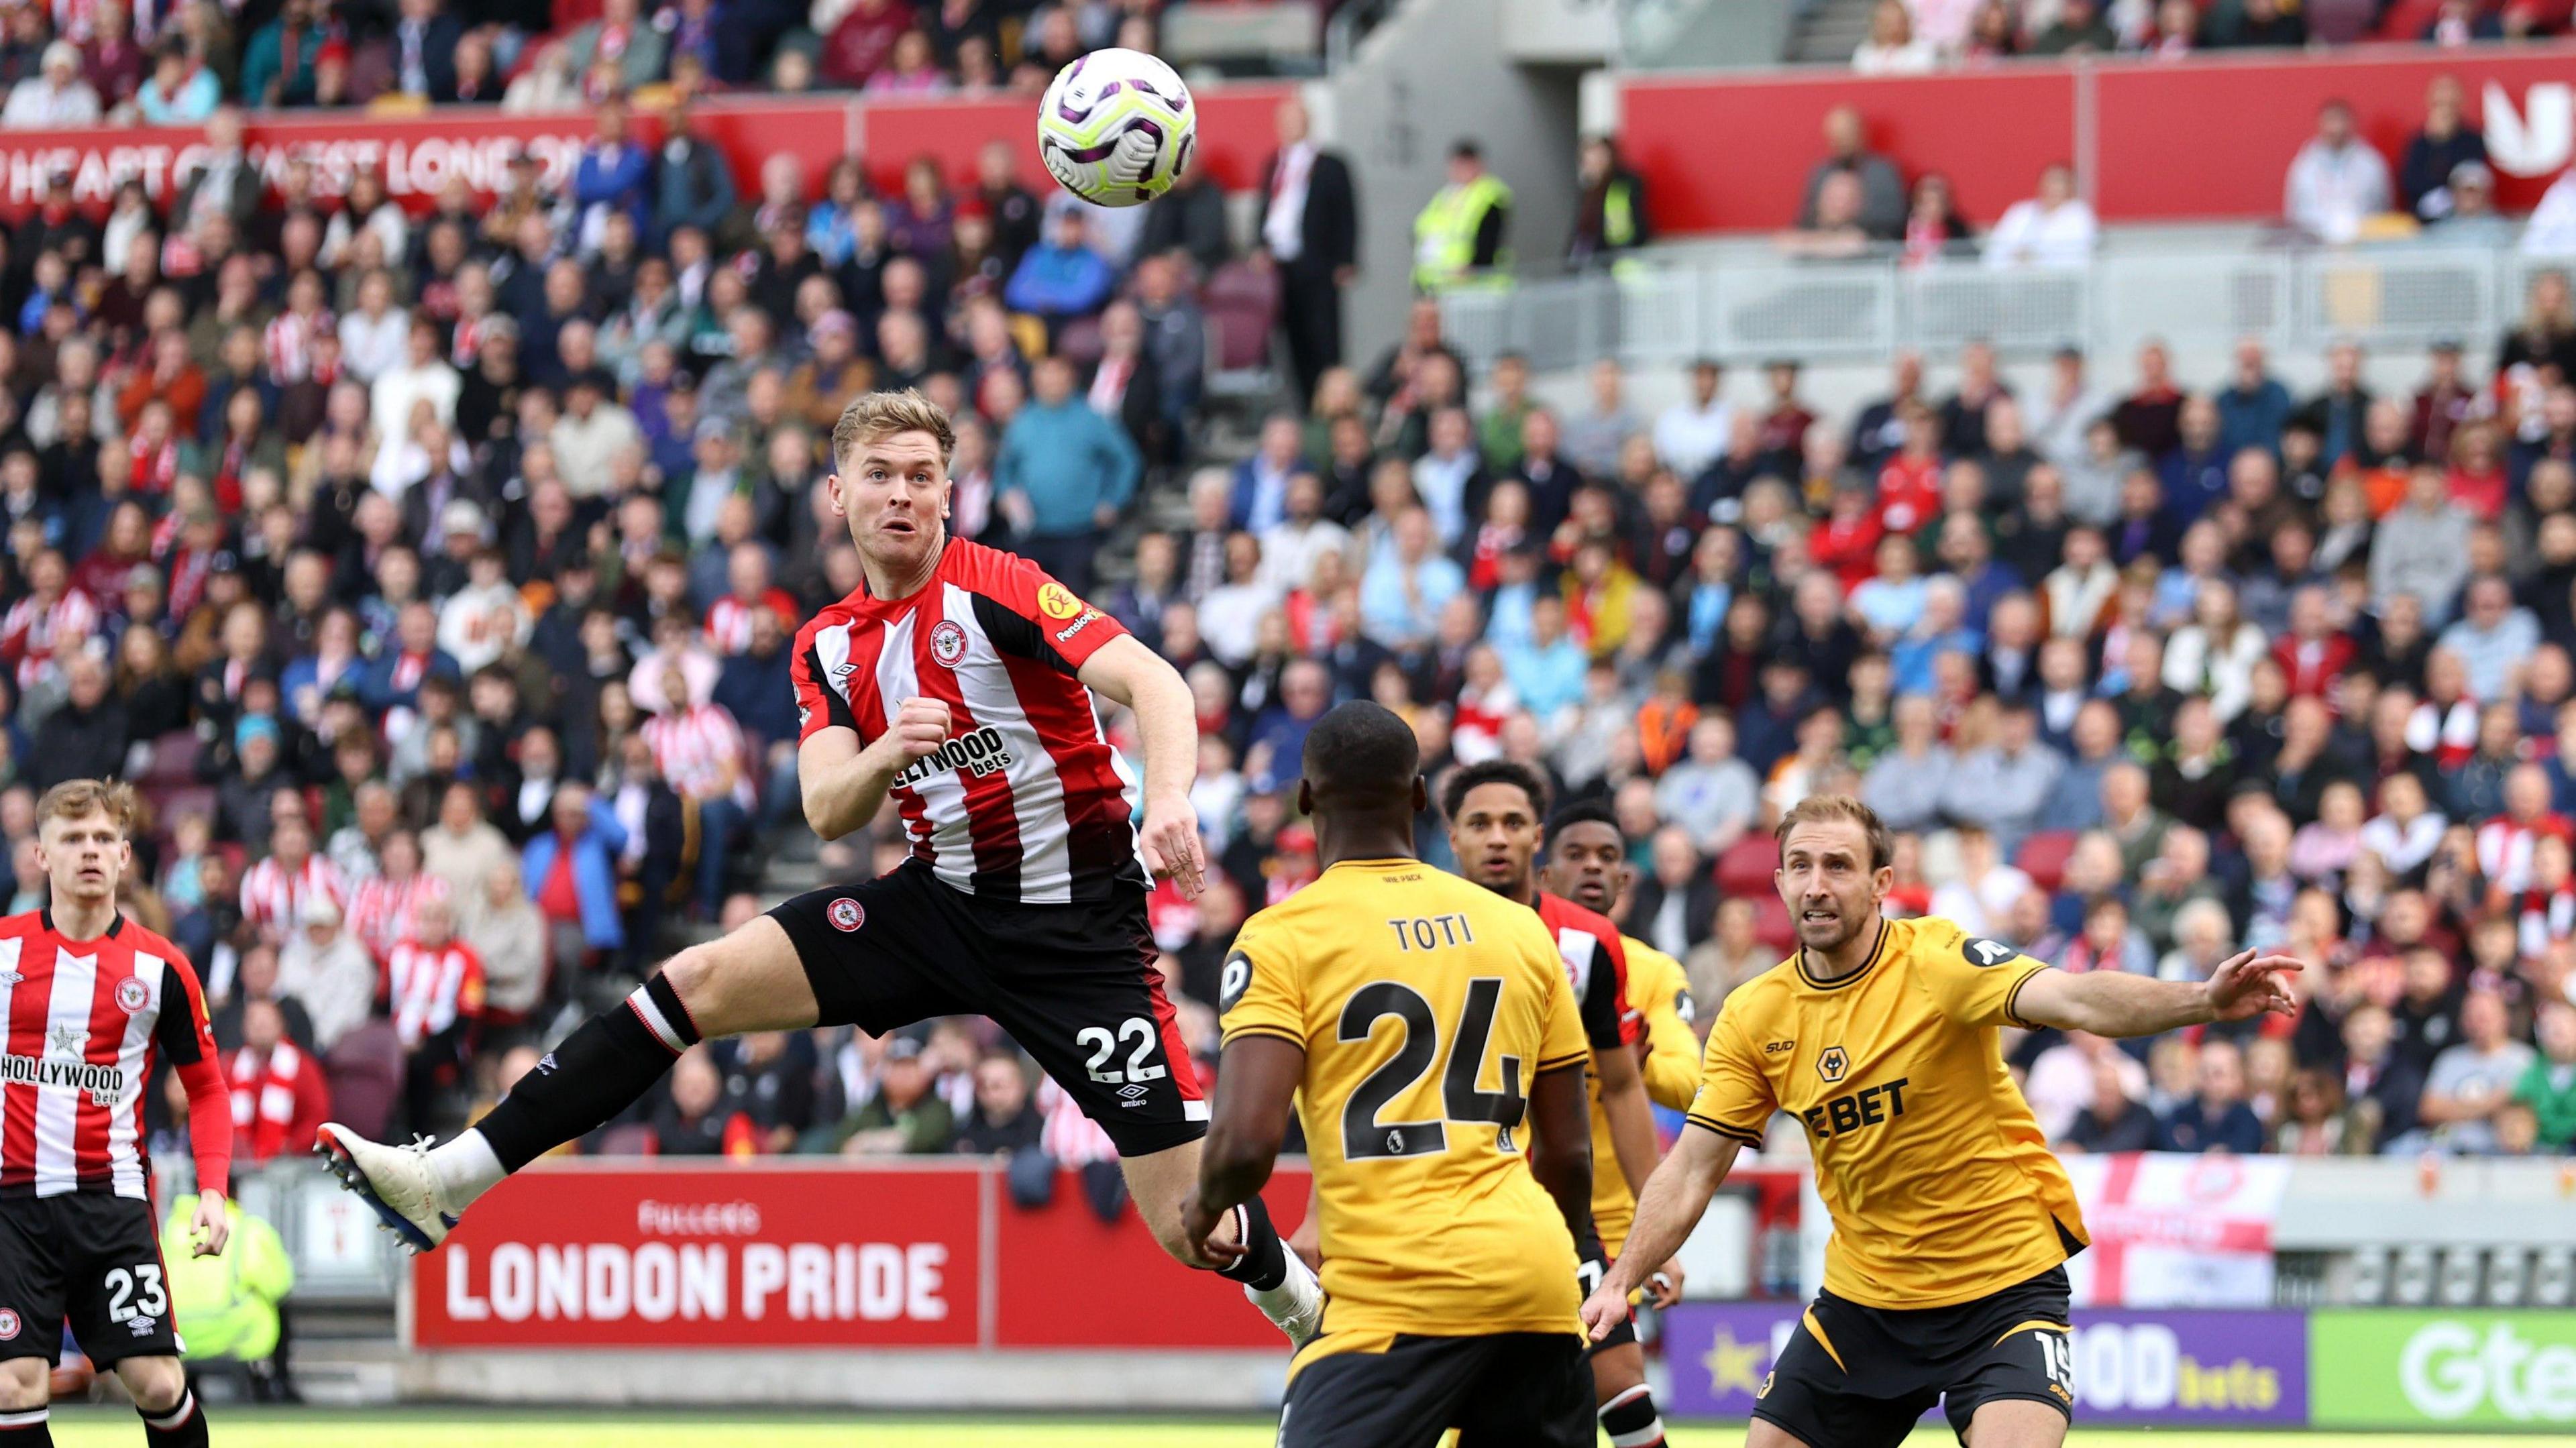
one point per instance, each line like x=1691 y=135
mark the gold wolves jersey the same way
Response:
x=1659 y=991
x=1426 y=1005
x=1940 y=1184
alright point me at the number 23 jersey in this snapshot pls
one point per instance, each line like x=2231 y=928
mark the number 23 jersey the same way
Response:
x=1940 y=1184
x=1426 y=1005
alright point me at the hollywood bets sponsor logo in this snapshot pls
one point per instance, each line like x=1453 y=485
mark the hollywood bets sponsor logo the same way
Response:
x=979 y=752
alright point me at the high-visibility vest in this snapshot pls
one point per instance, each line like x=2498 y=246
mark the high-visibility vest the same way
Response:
x=1618 y=214
x=1444 y=235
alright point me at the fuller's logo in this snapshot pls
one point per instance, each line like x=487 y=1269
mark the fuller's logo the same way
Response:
x=1833 y=1065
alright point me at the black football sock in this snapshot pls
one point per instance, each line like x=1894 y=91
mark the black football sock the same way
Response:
x=182 y=1427
x=598 y=1071
x=1630 y=1419
x=27 y=1428
x=1264 y=1263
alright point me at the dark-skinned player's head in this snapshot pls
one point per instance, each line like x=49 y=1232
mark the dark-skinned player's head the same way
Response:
x=1494 y=809
x=1362 y=765
x=1586 y=858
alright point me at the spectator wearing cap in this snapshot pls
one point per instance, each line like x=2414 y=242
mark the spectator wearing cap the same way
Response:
x=2474 y=220
x=594 y=428
x=1064 y=473
x=328 y=969
x=55 y=97
x=2337 y=181
x=1061 y=278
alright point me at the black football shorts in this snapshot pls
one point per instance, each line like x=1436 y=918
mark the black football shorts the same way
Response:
x=1860 y=1377
x=89 y=1258
x=1075 y=985
x=1506 y=1390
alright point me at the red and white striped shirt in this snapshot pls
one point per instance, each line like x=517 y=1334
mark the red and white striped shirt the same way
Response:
x=429 y=989
x=1026 y=801
x=385 y=912
x=729 y=619
x=34 y=631
x=80 y=1023
x=700 y=751
x=271 y=894
x=289 y=344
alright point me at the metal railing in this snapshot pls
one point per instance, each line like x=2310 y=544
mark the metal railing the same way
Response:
x=1864 y=309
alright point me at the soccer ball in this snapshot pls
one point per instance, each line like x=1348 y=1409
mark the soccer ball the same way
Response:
x=1117 y=128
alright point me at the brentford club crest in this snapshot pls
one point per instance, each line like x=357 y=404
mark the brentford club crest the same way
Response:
x=132 y=994
x=947 y=643
x=845 y=914
x=8 y=1324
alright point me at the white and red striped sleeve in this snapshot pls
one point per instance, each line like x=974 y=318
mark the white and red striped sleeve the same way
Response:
x=822 y=670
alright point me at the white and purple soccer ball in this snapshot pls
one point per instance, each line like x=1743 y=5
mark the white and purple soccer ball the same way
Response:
x=1117 y=128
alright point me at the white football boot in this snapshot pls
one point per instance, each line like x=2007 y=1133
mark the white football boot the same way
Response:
x=395 y=1180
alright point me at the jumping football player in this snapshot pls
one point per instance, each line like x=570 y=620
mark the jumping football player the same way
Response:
x=957 y=682
x=1587 y=863
x=1945 y=1280
x=1405 y=1012
x=88 y=1001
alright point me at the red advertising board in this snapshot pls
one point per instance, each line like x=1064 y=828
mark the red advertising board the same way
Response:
x=711 y=1257
x=420 y=154
x=785 y=1253
x=2207 y=138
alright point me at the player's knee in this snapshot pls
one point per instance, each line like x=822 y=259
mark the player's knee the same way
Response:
x=698 y=977
x=24 y=1383
x=155 y=1383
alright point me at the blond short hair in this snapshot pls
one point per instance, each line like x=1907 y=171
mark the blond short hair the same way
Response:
x=1826 y=808
x=74 y=798
x=874 y=415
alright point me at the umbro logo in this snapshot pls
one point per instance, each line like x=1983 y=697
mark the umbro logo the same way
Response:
x=1133 y=1092
x=843 y=671
x=142 y=1326
x=10 y=977
x=546 y=1064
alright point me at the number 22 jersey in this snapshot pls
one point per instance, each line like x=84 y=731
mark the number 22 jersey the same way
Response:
x=1426 y=1005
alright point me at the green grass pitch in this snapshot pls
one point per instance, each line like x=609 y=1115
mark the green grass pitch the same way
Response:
x=449 y=1428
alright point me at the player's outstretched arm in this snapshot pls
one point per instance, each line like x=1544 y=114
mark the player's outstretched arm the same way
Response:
x=843 y=784
x=1671 y=1205
x=2113 y=1003
x=1256 y=1088
x=1560 y=1148
x=1126 y=672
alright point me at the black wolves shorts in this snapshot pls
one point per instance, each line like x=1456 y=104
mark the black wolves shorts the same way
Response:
x=88 y=1258
x=1509 y=1390
x=1074 y=985
x=1860 y=1377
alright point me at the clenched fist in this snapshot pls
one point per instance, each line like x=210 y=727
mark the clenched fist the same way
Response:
x=920 y=727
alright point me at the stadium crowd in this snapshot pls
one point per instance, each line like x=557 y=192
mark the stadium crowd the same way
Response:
x=69 y=63
x=1912 y=37
x=434 y=574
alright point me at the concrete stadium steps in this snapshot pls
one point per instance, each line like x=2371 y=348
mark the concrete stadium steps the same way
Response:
x=1830 y=31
